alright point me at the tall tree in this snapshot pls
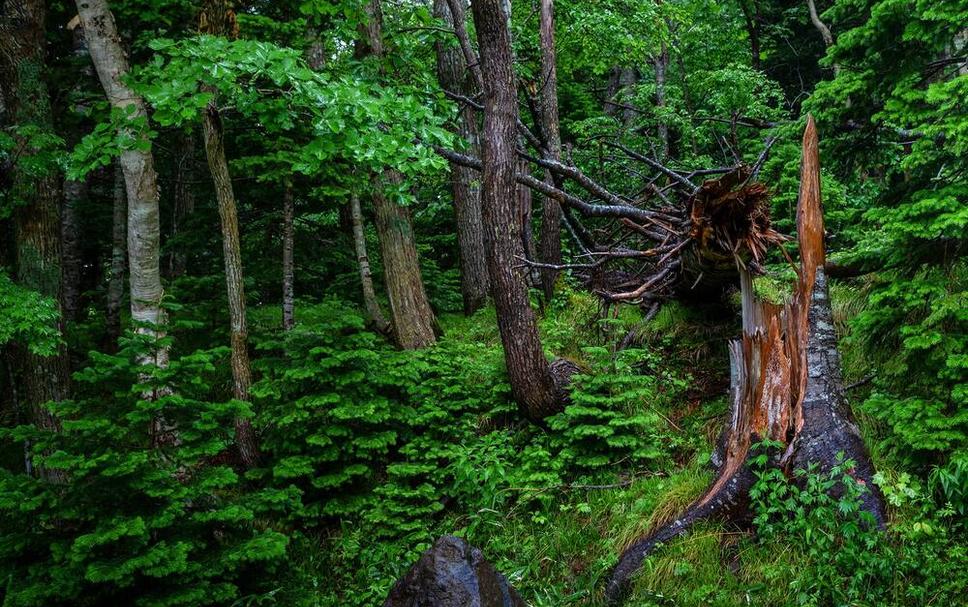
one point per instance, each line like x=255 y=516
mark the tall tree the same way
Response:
x=36 y=197
x=551 y=213
x=531 y=380
x=414 y=323
x=217 y=18
x=453 y=75
x=140 y=178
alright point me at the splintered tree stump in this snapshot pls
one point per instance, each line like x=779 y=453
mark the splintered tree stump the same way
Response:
x=453 y=573
x=786 y=387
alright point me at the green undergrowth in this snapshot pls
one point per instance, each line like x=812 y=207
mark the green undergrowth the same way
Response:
x=553 y=507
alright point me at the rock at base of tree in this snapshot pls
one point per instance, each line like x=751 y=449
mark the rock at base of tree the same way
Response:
x=453 y=573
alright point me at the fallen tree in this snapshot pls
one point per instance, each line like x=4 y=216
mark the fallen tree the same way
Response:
x=786 y=387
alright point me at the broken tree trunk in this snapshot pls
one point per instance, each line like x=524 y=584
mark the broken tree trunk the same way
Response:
x=786 y=388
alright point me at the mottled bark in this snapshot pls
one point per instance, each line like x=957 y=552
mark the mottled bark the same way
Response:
x=786 y=387
x=414 y=323
x=453 y=75
x=550 y=235
x=217 y=19
x=531 y=381
x=370 y=303
x=36 y=218
x=288 y=270
x=115 y=292
x=141 y=181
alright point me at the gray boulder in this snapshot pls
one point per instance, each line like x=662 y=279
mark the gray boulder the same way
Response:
x=453 y=573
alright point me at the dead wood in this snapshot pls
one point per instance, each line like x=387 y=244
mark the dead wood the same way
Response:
x=786 y=383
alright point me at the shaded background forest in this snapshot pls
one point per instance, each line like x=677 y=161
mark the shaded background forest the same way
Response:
x=377 y=401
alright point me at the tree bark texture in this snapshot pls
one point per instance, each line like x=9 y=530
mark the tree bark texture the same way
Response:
x=786 y=387
x=288 y=268
x=370 y=303
x=453 y=75
x=141 y=180
x=531 y=380
x=414 y=323
x=217 y=19
x=115 y=292
x=36 y=217
x=551 y=214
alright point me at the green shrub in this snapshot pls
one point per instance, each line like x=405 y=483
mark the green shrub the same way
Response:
x=132 y=523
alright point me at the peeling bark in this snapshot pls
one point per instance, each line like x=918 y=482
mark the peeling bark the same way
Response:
x=141 y=180
x=786 y=387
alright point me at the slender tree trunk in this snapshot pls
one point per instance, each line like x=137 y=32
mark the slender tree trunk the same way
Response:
x=36 y=221
x=217 y=19
x=116 y=271
x=371 y=304
x=531 y=380
x=828 y=38
x=414 y=323
x=184 y=197
x=453 y=75
x=551 y=210
x=74 y=193
x=751 y=13
x=141 y=181
x=288 y=274
x=661 y=63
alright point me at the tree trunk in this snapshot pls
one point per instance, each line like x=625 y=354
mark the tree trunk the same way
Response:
x=217 y=19
x=36 y=221
x=184 y=197
x=371 y=304
x=141 y=181
x=751 y=13
x=74 y=193
x=528 y=370
x=551 y=211
x=414 y=323
x=116 y=271
x=661 y=63
x=786 y=387
x=288 y=274
x=828 y=38
x=453 y=75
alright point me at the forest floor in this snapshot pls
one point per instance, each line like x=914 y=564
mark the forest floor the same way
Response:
x=553 y=507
